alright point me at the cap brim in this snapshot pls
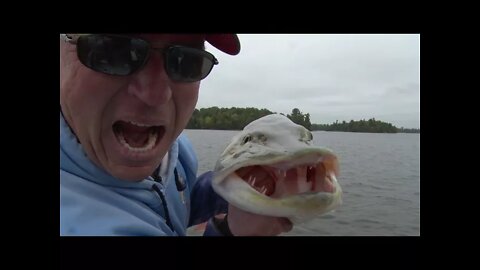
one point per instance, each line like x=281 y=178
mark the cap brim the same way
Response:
x=227 y=43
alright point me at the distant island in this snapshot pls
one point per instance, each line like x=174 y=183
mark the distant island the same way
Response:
x=237 y=118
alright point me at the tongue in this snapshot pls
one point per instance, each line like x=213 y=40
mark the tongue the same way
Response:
x=134 y=135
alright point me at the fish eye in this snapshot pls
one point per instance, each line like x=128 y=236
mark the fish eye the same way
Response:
x=306 y=135
x=247 y=139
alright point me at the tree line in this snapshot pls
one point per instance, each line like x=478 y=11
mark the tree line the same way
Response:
x=237 y=118
x=371 y=125
x=224 y=118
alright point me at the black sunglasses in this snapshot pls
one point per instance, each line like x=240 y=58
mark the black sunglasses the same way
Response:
x=124 y=55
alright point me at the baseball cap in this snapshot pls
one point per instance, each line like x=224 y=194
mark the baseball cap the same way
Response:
x=227 y=43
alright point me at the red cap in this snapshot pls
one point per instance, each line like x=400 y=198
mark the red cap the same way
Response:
x=227 y=43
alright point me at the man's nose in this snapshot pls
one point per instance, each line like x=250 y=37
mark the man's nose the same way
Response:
x=151 y=84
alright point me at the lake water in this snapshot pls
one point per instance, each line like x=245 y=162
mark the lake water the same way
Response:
x=379 y=175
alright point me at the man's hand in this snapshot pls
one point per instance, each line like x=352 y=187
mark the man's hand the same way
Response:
x=243 y=223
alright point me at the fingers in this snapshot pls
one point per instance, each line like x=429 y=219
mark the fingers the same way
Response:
x=286 y=224
x=244 y=223
x=279 y=226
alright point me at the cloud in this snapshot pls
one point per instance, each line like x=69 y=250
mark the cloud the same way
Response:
x=332 y=77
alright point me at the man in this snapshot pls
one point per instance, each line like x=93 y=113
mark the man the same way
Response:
x=125 y=168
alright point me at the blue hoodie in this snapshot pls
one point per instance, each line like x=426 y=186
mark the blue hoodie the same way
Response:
x=92 y=202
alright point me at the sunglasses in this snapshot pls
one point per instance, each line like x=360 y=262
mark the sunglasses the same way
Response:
x=124 y=55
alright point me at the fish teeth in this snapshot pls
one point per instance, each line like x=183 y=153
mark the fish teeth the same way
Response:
x=317 y=182
x=302 y=184
x=279 y=176
x=301 y=173
x=280 y=189
x=333 y=177
x=253 y=181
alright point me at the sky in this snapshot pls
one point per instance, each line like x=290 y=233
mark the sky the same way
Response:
x=330 y=76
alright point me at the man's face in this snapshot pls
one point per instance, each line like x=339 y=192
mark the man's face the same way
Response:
x=126 y=124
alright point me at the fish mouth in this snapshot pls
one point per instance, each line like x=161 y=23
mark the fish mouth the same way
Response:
x=279 y=180
x=298 y=186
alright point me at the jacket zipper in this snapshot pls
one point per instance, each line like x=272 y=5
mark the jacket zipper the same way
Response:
x=164 y=203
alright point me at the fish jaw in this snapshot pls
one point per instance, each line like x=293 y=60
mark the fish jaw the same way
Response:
x=280 y=159
x=297 y=195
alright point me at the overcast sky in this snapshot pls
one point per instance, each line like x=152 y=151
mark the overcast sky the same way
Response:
x=332 y=77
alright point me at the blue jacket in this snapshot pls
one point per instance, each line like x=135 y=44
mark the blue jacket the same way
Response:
x=92 y=202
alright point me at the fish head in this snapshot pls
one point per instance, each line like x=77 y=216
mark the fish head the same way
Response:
x=273 y=168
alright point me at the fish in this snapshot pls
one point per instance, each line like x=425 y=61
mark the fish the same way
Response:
x=273 y=168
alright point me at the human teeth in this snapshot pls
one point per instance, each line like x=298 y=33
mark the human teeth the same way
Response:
x=152 y=138
x=138 y=124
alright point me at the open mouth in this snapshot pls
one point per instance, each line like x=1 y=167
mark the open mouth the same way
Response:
x=137 y=137
x=273 y=182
